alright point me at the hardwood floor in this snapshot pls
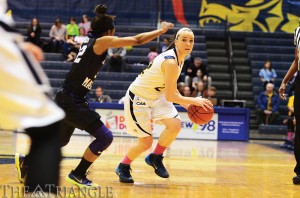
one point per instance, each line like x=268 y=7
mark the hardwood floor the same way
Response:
x=197 y=169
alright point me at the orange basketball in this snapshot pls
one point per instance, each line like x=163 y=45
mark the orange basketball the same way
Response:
x=198 y=115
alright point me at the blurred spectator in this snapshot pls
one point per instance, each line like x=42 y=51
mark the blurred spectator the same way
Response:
x=267 y=74
x=197 y=78
x=34 y=32
x=188 y=60
x=70 y=49
x=57 y=35
x=212 y=95
x=72 y=28
x=116 y=57
x=152 y=54
x=290 y=122
x=85 y=24
x=191 y=72
x=166 y=43
x=200 y=90
x=81 y=37
x=180 y=87
x=268 y=104
x=187 y=91
x=100 y=97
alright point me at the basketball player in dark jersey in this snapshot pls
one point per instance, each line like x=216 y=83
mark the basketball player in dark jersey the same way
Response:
x=79 y=81
x=295 y=66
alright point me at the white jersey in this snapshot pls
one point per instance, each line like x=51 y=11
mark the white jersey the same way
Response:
x=150 y=84
x=24 y=88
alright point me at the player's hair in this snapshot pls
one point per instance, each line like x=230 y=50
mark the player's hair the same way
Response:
x=175 y=37
x=102 y=22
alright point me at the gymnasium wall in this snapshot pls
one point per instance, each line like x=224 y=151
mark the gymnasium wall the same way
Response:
x=242 y=15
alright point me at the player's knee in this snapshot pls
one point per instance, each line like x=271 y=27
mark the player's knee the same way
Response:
x=108 y=139
x=175 y=126
x=101 y=144
x=146 y=143
x=147 y=146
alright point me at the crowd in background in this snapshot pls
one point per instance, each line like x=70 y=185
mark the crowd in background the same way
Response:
x=66 y=39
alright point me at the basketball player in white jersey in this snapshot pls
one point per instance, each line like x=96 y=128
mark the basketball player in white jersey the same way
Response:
x=25 y=104
x=295 y=66
x=151 y=96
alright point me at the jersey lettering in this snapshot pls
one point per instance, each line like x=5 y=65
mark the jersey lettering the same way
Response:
x=159 y=88
x=87 y=83
x=80 y=53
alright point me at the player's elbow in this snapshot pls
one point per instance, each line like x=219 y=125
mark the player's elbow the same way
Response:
x=170 y=98
x=139 y=42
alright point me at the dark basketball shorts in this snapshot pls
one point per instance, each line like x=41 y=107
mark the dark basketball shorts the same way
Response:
x=78 y=113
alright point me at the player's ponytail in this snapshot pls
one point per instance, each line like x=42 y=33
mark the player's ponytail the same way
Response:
x=172 y=44
x=102 y=22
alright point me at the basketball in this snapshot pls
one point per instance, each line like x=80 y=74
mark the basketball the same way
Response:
x=198 y=115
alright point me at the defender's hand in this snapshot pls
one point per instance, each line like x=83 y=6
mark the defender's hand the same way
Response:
x=166 y=25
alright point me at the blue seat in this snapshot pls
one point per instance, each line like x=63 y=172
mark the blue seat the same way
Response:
x=54 y=57
x=116 y=76
x=56 y=65
x=271 y=49
x=270 y=41
x=272 y=57
x=53 y=73
x=112 y=85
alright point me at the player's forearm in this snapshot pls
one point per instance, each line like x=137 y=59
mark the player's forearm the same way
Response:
x=179 y=99
x=148 y=36
x=185 y=106
x=293 y=68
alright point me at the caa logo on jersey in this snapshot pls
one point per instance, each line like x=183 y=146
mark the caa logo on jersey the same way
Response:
x=140 y=103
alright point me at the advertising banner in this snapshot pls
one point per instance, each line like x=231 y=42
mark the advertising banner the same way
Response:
x=226 y=124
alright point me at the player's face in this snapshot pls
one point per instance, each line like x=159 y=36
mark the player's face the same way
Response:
x=185 y=42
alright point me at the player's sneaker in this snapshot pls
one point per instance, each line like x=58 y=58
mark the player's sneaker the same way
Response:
x=79 y=181
x=21 y=167
x=296 y=179
x=123 y=171
x=156 y=162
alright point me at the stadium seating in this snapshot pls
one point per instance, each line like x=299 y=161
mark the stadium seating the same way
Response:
x=280 y=51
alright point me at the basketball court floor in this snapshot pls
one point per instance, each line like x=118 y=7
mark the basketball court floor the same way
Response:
x=197 y=169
